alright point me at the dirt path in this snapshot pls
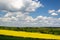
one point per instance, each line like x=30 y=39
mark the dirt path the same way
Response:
x=28 y=34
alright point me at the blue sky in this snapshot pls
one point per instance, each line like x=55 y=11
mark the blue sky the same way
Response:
x=36 y=13
x=48 y=5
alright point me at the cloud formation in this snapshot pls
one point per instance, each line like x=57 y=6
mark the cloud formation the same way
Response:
x=17 y=11
x=17 y=14
x=54 y=12
x=19 y=5
x=30 y=21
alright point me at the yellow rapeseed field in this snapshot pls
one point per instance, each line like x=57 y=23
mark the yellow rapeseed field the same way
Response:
x=28 y=34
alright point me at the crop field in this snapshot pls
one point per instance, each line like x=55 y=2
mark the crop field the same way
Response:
x=2 y=37
x=29 y=33
x=45 y=30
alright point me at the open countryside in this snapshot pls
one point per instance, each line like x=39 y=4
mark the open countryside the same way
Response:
x=26 y=34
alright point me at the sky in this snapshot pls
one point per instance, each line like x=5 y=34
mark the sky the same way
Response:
x=30 y=13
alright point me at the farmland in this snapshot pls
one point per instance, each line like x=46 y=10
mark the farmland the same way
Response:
x=2 y=37
x=43 y=30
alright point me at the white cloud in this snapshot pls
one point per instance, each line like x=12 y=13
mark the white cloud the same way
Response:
x=51 y=11
x=30 y=21
x=11 y=5
x=19 y=5
x=17 y=14
x=8 y=14
x=18 y=8
x=54 y=14
x=58 y=11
